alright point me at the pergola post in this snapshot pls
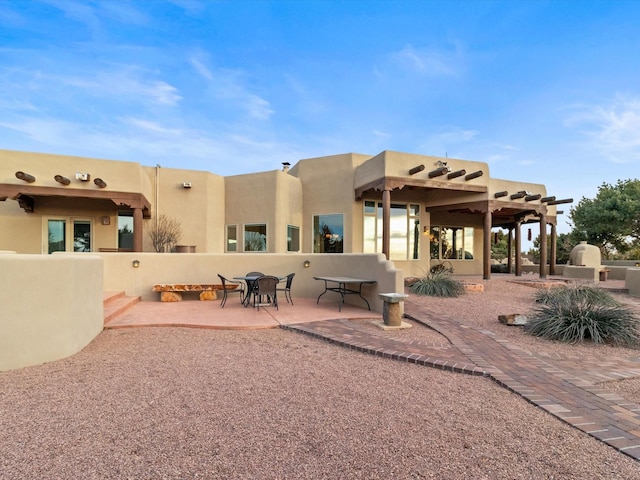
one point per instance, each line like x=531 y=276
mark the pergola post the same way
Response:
x=553 y=250
x=510 y=251
x=137 y=229
x=486 y=246
x=543 y=246
x=518 y=248
x=386 y=222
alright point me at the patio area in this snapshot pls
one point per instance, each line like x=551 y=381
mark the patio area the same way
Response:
x=208 y=314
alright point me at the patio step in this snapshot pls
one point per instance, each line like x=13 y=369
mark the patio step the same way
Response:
x=115 y=303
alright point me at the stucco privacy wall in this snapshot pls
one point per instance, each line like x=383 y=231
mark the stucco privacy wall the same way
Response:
x=632 y=281
x=120 y=274
x=51 y=307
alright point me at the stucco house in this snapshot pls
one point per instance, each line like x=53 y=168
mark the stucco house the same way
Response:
x=416 y=209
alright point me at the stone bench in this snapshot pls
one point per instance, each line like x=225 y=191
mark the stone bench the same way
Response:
x=172 y=292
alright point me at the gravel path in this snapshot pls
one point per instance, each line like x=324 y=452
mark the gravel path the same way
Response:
x=155 y=403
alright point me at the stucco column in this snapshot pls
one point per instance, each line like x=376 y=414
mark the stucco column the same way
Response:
x=518 y=248
x=386 y=222
x=486 y=246
x=543 y=246
x=510 y=251
x=137 y=229
x=553 y=250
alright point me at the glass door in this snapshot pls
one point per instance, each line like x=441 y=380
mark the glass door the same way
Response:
x=56 y=235
x=68 y=235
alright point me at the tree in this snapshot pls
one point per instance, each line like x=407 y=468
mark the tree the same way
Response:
x=165 y=233
x=500 y=246
x=611 y=221
x=564 y=244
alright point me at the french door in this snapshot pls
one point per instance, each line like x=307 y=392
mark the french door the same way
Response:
x=67 y=234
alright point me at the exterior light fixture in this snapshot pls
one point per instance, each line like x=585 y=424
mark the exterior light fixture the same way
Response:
x=100 y=182
x=136 y=263
x=306 y=264
x=186 y=184
x=83 y=177
x=25 y=177
x=62 y=180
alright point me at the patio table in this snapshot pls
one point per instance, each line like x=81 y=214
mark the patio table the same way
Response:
x=339 y=285
x=250 y=280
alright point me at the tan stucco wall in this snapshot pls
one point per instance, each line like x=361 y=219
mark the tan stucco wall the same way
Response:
x=328 y=188
x=159 y=268
x=51 y=307
x=200 y=209
x=632 y=281
x=271 y=198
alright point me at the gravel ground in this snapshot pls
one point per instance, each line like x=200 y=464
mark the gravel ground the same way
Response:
x=156 y=403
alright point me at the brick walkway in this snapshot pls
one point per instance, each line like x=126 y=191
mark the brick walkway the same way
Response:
x=565 y=389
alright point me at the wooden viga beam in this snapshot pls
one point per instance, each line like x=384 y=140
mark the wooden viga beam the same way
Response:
x=456 y=174
x=558 y=202
x=417 y=169
x=531 y=198
x=25 y=177
x=62 y=180
x=473 y=175
x=503 y=193
x=517 y=195
x=439 y=172
x=547 y=199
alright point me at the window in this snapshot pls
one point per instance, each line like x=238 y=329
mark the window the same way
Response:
x=255 y=238
x=328 y=231
x=293 y=238
x=451 y=243
x=232 y=238
x=404 y=235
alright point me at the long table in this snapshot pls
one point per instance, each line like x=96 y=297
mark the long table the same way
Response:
x=339 y=285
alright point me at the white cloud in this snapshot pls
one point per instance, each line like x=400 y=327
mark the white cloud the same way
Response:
x=428 y=61
x=613 y=130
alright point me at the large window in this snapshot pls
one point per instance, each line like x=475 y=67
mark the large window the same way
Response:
x=328 y=231
x=293 y=238
x=451 y=243
x=404 y=232
x=255 y=238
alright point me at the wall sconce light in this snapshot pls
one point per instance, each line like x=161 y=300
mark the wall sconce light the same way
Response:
x=306 y=264
x=83 y=177
x=26 y=177
x=136 y=263
x=186 y=184
x=62 y=180
x=100 y=182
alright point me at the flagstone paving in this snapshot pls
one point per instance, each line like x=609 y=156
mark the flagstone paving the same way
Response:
x=564 y=387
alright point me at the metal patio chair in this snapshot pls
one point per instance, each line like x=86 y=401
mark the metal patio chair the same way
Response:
x=265 y=286
x=239 y=288
x=287 y=288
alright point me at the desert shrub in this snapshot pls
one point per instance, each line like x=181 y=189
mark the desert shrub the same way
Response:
x=437 y=284
x=574 y=314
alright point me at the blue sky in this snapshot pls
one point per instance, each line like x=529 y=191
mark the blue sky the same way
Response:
x=544 y=91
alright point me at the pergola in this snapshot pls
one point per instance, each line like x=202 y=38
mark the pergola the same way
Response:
x=30 y=197
x=508 y=213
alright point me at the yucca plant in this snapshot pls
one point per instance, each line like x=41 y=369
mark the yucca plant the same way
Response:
x=437 y=284
x=573 y=314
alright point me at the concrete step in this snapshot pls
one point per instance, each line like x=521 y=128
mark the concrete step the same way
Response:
x=115 y=303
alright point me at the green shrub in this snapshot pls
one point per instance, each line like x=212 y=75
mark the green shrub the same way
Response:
x=437 y=284
x=573 y=314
